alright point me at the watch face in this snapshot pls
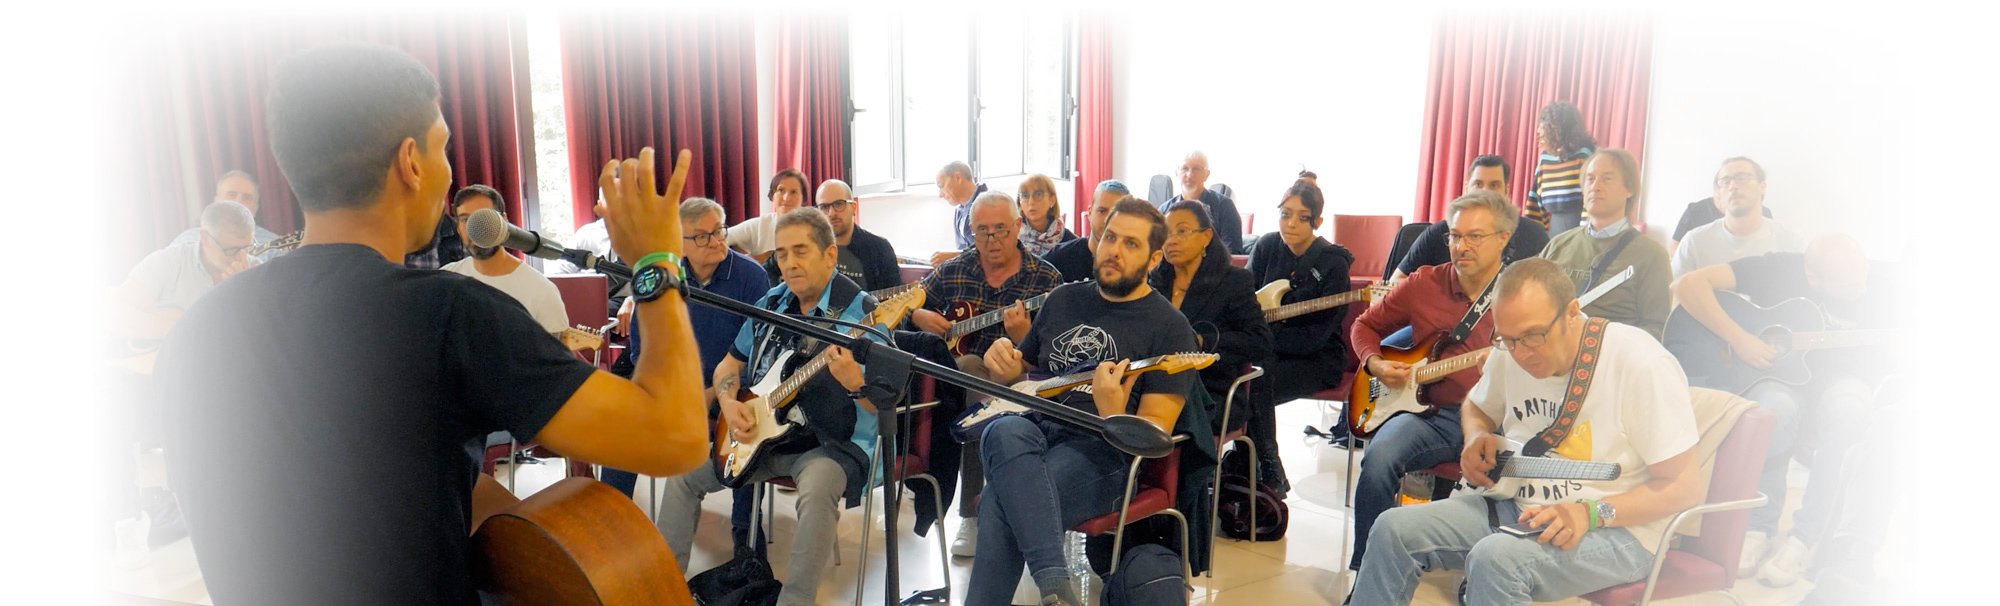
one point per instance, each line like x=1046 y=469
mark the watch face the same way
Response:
x=647 y=282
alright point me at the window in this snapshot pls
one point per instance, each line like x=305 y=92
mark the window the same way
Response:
x=551 y=135
x=929 y=87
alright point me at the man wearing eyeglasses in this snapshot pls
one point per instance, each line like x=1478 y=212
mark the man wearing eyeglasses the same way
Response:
x=1433 y=302
x=996 y=273
x=865 y=258
x=169 y=281
x=1193 y=174
x=1744 y=231
x=1636 y=411
x=239 y=187
x=499 y=269
x=1608 y=243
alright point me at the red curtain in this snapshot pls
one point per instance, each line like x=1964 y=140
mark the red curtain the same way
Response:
x=224 y=64
x=1491 y=73
x=810 y=94
x=1093 y=113
x=685 y=79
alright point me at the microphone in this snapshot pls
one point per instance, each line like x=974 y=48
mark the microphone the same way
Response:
x=488 y=229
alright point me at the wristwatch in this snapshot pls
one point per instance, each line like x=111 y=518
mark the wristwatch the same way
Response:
x=1605 y=513
x=658 y=273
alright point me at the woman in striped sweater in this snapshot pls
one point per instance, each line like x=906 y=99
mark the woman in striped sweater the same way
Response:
x=1555 y=196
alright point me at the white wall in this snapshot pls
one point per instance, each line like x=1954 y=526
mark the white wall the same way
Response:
x=1805 y=96
x=1263 y=91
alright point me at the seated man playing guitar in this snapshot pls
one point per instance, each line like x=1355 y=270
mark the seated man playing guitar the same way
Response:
x=1446 y=306
x=1567 y=387
x=1831 y=283
x=1106 y=326
x=971 y=299
x=828 y=457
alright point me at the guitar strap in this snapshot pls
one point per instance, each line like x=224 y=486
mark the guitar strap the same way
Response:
x=1580 y=377
x=1597 y=271
x=1472 y=314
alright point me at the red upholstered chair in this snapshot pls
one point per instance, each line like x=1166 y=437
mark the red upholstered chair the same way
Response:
x=1707 y=563
x=1239 y=260
x=1249 y=221
x=1369 y=238
x=913 y=272
x=1151 y=486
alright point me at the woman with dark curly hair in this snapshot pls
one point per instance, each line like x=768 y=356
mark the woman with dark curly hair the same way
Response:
x=1555 y=196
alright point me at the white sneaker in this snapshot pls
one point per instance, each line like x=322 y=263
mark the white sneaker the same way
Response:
x=1755 y=544
x=967 y=542
x=1788 y=564
x=132 y=552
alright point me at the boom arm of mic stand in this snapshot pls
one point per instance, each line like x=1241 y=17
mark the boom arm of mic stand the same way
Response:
x=1128 y=433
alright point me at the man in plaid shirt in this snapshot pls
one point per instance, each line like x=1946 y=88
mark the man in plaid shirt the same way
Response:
x=997 y=273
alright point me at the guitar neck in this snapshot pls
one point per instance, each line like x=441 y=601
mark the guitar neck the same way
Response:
x=1545 y=468
x=1833 y=339
x=1052 y=387
x=1437 y=371
x=982 y=321
x=1292 y=310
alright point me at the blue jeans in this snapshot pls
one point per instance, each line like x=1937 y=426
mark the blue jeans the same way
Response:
x=1839 y=419
x=1024 y=462
x=1453 y=534
x=739 y=510
x=1404 y=444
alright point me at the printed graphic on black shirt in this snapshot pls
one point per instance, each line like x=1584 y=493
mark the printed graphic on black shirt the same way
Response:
x=1084 y=344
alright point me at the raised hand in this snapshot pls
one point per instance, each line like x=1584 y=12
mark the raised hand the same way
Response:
x=640 y=219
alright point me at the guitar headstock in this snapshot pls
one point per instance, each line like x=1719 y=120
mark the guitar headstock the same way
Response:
x=1378 y=290
x=1174 y=363
x=284 y=243
x=579 y=338
x=890 y=311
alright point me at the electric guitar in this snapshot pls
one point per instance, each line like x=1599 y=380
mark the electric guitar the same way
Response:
x=284 y=243
x=1510 y=468
x=973 y=422
x=1371 y=403
x=1271 y=297
x=579 y=338
x=1794 y=328
x=965 y=321
x=774 y=426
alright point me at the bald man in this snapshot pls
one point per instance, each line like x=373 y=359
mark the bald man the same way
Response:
x=1193 y=174
x=865 y=258
x=239 y=187
x=1834 y=273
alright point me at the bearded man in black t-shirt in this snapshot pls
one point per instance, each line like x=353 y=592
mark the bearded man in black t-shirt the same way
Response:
x=338 y=348
x=1102 y=326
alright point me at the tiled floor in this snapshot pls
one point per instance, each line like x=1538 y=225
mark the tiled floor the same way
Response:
x=1304 y=568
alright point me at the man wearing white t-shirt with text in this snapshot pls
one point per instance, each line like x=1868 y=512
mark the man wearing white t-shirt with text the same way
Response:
x=1635 y=412
x=499 y=269
x=1743 y=231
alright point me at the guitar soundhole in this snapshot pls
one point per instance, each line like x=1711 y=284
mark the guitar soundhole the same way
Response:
x=1778 y=338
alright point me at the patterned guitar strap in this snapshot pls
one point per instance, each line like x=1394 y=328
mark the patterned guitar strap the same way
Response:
x=1580 y=376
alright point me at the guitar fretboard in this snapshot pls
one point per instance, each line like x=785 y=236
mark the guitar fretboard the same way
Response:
x=981 y=321
x=1072 y=381
x=1292 y=310
x=1438 y=370
x=1513 y=465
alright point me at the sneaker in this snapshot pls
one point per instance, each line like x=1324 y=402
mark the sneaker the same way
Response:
x=1787 y=564
x=132 y=552
x=967 y=542
x=1755 y=544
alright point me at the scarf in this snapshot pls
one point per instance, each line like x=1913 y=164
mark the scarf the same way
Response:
x=1040 y=243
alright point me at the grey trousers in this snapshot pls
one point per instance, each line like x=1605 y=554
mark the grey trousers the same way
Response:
x=820 y=480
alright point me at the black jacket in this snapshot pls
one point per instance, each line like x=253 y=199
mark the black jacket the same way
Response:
x=1221 y=304
x=878 y=260
x=1322 y=271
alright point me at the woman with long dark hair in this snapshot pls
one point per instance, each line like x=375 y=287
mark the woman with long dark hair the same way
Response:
x=1555 y=196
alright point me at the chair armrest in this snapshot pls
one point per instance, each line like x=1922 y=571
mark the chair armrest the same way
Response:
x=1660 y=555
x=900 y=410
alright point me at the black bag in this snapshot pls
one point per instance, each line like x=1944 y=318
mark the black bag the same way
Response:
x=743 y=581
x=1148 y=575
x=1233 y=512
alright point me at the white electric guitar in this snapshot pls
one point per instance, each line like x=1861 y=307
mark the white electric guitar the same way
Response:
x=1271 y=298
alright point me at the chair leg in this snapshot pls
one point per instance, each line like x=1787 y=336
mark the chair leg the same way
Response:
x=944 y=555
x=1124 y=510
x=1253 y=486
x=513 y=466
x=867 y=526
x=1187 y=560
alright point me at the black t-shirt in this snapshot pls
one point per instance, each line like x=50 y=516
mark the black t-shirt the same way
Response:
x=325 y=413
x=1073 y=260
x=1699 y=214
x=1431 y=247
x=1773 y=278
x=1077 y=328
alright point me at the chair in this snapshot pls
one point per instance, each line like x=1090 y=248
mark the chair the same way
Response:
x=1150 y=490
x=1405 y=237
x=911 y=465
x=913 y=272
x=1707 y=564
x=1239 y=260
x=1249 y=222
x=1160 y=189
x=1368 y=237
x=1233 y=434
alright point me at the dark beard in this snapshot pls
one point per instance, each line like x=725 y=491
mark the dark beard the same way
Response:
x=1120 y=288
x=482 y=253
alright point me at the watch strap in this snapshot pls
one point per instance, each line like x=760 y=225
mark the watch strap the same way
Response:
x=672 y=261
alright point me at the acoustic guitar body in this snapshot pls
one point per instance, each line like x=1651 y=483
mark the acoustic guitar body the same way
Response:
x=579 y=542
x=1708 y=361
x=1371 y=403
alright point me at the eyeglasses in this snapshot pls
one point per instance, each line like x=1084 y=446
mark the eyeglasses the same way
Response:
x=1026 y=195
x=228 y=251
x=1738 y=179
x=706 y=239
x=1183 y=233
x=1470 y=239
x=1531 y=340
x=991 y=234
x=1184 y=169
x=835 y=204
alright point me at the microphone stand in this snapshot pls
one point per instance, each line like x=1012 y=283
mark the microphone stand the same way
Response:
x=889 y=368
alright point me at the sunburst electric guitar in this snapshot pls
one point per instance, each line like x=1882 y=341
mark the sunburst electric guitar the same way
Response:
x=970 y=424
x=1372 y=403
x=965 y=322
x=774 y=426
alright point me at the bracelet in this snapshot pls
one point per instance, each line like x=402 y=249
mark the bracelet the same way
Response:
x=671 y=260
x=1591 y=506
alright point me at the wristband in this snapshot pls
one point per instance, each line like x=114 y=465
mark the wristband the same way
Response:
x=671 y=260
x=1591 y=506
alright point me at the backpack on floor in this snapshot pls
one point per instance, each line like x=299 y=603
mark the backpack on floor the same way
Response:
x=1148 y=575
x=1238 y=496
x=743 y=581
